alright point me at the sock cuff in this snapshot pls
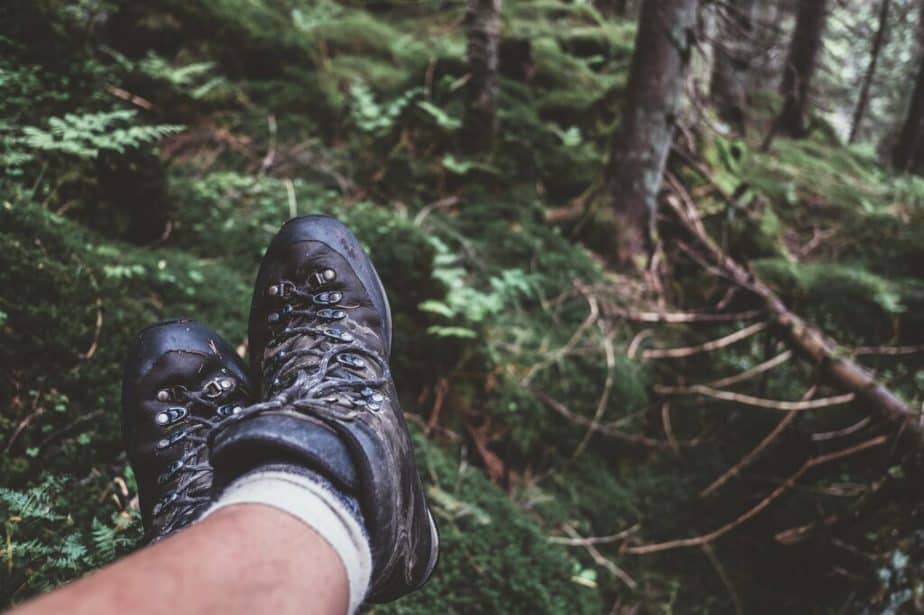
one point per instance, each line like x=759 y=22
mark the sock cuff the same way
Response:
x=317 y=506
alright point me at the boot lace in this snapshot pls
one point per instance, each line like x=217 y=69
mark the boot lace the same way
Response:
x=313 y=362
x=196 y=414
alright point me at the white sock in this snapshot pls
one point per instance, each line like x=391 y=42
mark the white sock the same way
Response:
x=317 y=506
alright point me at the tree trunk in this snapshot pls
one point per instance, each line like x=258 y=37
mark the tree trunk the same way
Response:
x=908 y=154
x=615 y=8
x=801 y=63
x=482 y=24
x=734 y=50
x=654 y=98
x=870 y=70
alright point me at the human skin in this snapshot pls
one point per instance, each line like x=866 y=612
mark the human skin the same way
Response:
x=246 y=558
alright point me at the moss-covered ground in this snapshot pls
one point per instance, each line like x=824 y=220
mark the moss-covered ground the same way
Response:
x=233 y=115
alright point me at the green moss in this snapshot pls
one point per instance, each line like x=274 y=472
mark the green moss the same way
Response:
x=494 y=559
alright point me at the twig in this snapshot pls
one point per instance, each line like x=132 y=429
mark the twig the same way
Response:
x=760 y=402
x=680 y=317
x=443 y=203
x=754 y=511
x=439 y=396
x=604 y=400
x=748 y=459
x=723 y=576
x=555 y=356
x=754 y=371
x=99 y=320
x=293 y=204
x=270 y=156
x=600 y=560
x=840 y=433
x=23 y=424
x=605 y=429
x=128 y=97
x=887 y=350
x=668 y=430
x=632 y=350
x=722 y=342
x=595 y=540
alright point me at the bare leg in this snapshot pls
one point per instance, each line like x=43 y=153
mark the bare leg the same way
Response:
x=246 y=558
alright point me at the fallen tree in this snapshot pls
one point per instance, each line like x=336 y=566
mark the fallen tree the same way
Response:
x=802 y=336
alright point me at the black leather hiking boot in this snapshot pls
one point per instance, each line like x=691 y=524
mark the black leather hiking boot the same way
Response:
x=181 y=380
x=320 y=335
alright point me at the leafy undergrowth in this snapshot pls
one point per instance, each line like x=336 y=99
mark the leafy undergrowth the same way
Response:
x=510 y=352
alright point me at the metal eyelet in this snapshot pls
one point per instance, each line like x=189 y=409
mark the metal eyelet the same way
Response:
x=171 y=416
x=172 y=439
x=164 y=395
x=318 y=279
x=328 y=297
x=351 y=360
x=329 y=314
x=337 y=334
x=281 y=289
x=228 y=410
x=215 y=387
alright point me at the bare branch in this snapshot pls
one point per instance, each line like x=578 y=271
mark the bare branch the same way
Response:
x=748 y=459
x=679 y=317
x=840 y=433
x=722 y=342
x=703 y=539
x=600 y=560
x=754 y=371
x=760 y=402
x=805 y=338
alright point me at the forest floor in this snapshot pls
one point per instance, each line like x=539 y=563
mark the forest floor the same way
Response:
x=527 y=363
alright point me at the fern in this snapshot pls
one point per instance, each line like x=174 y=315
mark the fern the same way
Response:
x=372 y=117
x=85 y=135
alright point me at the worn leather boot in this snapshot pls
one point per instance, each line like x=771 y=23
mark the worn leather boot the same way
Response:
x=320 y=336
x=181 y=380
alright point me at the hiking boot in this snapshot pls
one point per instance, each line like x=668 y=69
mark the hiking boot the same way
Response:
x=181 y=380
x=320 y=336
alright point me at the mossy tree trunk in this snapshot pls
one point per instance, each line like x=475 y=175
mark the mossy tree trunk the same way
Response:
x=735 y=47
x=653 y=103
x=908 y=154
x=482 y=26
x=801 y=62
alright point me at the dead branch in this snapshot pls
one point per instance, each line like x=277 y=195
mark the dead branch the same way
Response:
x=604 y=401
x=887 y=350
x=748 y=459
x=606 y=429
x=703 y=539
x=557 y=355
x=760 y=402
x=804 y=337
x=668 y=429
x=754 y=371
x=723 y=576
x=679 y=317
x=722 y=342
x=595 y=540
x=600 y=560
x=840 y=433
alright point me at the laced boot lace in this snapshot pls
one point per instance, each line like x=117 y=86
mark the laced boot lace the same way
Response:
x=312 y=361
x=195 y=414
